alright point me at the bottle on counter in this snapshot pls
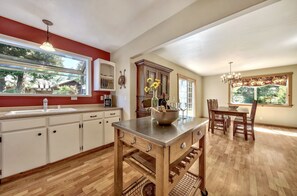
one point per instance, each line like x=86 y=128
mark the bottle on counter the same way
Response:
x=163 y=100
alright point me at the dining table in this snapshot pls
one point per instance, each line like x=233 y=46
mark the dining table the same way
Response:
x=242 y=112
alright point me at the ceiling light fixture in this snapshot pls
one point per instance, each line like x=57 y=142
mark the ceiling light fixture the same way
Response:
x=47 y=45
x=229 y=77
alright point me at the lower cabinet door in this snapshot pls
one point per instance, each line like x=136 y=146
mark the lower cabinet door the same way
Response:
x=92 y=134
x=23 y=150
x=109 y=129
x=63 y=141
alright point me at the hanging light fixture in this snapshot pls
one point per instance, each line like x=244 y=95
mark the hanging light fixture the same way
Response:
x=229 y=77
x=47 y=45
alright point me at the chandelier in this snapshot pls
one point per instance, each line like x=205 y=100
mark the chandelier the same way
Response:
x=229 y=77
x=47 y=45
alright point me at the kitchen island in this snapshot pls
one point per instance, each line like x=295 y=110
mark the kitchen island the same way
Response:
x=162 y=154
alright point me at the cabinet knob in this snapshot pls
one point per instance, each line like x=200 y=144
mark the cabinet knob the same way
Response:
x=183 y=145
x=149 y=147
x=199 y=132
x=107 y=121
x=134 y=141
x=100 y=122
x=122 y=136
x=54 y=131
x=39 y=134
x=93 y=116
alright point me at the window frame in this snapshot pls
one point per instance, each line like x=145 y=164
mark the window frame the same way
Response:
x=35 y=46
x=194 y=90
x=289 y=96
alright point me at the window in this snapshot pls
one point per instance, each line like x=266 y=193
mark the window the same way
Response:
x=186 y=94
x=268 y=90
x=27 y=70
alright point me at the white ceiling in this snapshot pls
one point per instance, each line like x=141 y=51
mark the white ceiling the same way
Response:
x=264 y=38
x=104 y=24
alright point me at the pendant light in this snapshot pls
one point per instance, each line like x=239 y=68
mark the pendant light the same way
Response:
x=47 y=45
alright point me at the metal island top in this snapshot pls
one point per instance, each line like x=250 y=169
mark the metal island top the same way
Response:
x=149 y=129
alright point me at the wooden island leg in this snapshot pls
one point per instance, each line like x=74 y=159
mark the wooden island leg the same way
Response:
x=118 y=164
x=202 y=167
x=162 y=171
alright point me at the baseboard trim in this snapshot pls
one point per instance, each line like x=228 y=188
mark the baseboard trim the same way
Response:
x=280 y=126
x=267 y=124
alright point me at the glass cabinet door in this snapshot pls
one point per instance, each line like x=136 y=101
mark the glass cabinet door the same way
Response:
x=150 y=73
x=164 y=77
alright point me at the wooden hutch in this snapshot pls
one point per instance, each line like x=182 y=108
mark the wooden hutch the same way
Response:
x=147 y=69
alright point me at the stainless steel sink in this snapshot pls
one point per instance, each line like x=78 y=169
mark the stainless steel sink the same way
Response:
x=40 y=111
x=61 y=110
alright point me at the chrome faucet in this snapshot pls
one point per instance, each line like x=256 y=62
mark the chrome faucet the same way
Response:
x=45 y=102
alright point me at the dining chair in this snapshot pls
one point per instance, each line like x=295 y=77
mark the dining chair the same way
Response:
x=238 y=126
x=219 y=121
x=228 y=119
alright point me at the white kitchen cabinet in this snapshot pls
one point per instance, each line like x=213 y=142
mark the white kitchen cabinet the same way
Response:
x=28 y=143
x=23 y=150
x=92 y=134
x=63 y=141
x=104 y=75
x=109 y=130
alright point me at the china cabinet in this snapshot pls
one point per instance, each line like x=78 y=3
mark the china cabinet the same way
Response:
x=147 y=69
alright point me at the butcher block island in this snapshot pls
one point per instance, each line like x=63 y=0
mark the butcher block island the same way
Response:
x=162 y=154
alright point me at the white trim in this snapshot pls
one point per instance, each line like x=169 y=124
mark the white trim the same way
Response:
x=33 y=45
x=41 y=95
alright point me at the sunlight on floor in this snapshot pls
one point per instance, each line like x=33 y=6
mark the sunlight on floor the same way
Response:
x=275 y=131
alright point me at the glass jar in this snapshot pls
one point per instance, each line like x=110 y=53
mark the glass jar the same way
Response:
x=155 y=100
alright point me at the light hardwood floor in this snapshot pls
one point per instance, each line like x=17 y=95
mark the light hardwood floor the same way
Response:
x=267 y=166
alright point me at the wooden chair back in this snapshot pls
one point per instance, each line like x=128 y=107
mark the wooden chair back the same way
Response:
x=253 y=110
x=215 y=103
x=211 y=104
x=209 y=107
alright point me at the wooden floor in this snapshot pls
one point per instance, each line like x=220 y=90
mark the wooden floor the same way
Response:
x=267 y=166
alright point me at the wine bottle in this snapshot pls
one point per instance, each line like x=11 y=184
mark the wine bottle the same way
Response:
x=163 y=101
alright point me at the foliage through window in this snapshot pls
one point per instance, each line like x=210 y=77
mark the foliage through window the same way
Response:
x=29 y=71
x=186 y=94
x=268 y=90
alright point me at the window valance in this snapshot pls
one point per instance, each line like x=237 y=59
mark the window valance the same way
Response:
x=275 y=79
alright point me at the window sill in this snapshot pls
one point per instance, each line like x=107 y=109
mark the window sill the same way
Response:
x=262 y=105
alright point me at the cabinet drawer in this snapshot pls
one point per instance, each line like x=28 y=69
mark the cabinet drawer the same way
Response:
x=178 y=148
x=92 y=115
x=112 y=113
x=198 y=134
x=139 y=143
x=11 y=125
x=64 y=119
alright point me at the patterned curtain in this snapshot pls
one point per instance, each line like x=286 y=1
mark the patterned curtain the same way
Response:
x=276 y=79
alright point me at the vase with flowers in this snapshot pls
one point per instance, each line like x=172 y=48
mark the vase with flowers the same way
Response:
x=153 y=86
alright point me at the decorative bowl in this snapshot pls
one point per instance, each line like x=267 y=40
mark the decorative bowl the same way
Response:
x=233 y=107
x=165 y=118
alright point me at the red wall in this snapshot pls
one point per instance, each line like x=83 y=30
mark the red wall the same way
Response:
x=25 y=32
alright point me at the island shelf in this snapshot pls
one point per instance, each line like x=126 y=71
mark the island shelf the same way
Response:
x=162 y=154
